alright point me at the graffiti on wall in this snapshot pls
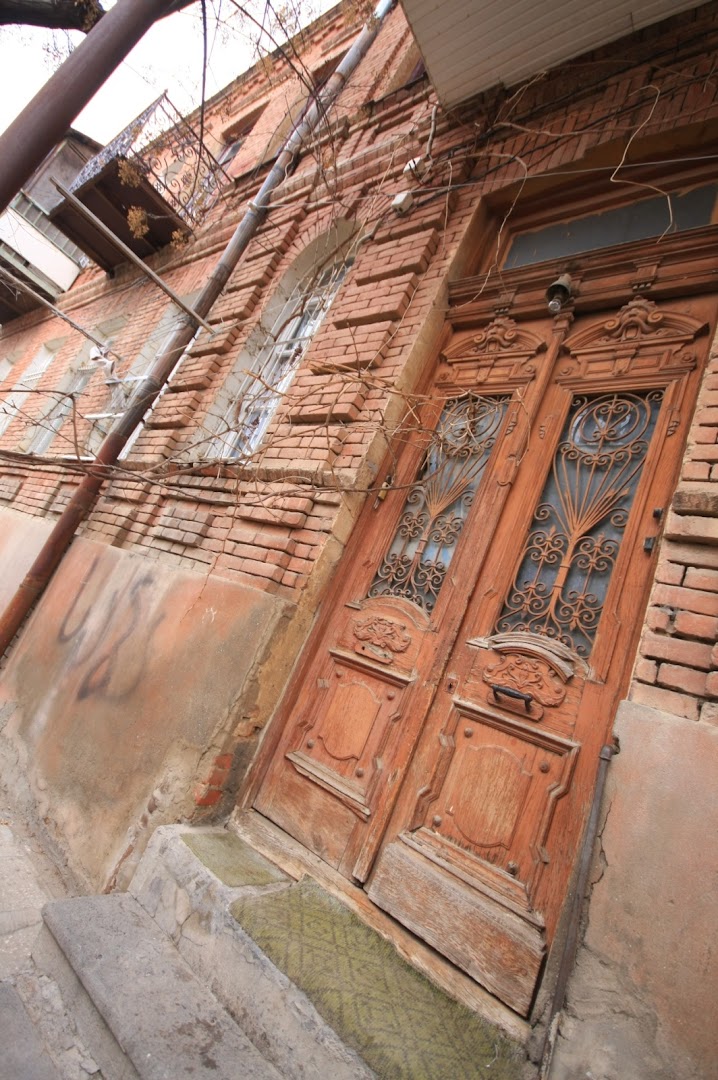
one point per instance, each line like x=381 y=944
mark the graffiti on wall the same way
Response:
x=110 y=633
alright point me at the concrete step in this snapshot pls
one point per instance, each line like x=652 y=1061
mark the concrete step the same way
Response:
x=189 y=881
x=218 y=964
x=23 y=1056
x=141 y=1010
x=320 y=992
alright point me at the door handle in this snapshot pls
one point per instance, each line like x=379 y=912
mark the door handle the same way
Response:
x=508 y=691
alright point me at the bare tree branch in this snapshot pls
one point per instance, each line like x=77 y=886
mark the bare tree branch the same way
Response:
x=60 y=14
x=54 y=14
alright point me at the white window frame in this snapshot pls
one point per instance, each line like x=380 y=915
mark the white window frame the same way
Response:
x=71 y=386
x=157 y=342
x=48 y=426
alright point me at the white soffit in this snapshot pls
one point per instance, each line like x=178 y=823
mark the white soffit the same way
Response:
x=471 y=45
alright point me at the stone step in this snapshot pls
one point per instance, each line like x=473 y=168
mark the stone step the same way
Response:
x=189 y=880
x=141 y=1010
x=23 y=1056
x=320 y=992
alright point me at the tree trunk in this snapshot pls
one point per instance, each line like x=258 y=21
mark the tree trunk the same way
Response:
x=54 y=14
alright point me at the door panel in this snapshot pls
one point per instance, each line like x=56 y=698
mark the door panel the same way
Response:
x=443 y=742
x=355 y=718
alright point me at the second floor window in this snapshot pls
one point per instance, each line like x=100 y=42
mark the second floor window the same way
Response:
x=63 y=406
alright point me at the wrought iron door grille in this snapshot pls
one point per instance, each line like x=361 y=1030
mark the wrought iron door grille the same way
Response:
x=568 y=559
x=418 y=557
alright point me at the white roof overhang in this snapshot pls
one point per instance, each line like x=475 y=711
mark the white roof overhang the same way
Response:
x=470 y=46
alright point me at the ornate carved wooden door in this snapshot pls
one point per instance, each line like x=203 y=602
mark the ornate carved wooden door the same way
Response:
x=443 y=740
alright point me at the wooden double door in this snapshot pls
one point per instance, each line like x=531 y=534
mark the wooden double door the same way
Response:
x=441 y=742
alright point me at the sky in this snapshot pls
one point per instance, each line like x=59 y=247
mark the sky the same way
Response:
x=168 y=58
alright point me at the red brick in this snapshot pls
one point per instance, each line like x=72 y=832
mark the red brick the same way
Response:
x=702 y=579
x=204 y=796
x=705 y=435
x=701 y=626
x=712 y=684
x=646 y=670
x=657 y=697
x=670 y=573
x=703 y=603
x=707 y=415
x=694 y=654
x=658 y=619
x=696 y=470
x=705 y=452
x=217 y=778
x=685 y=679
x=692 y=554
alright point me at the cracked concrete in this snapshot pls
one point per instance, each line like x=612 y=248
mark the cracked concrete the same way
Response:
x=192 y=906
x=37 y=1033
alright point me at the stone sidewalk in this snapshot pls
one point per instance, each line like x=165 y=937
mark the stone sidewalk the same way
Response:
x=37 y=1035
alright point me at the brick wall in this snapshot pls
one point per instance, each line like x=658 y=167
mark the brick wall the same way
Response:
x=268 y=524
x=677 y=668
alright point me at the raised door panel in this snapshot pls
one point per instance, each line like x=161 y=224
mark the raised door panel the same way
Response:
x=347 y=728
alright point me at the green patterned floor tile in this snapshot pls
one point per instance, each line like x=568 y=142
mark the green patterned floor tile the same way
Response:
x=231 y=860
x=403 y=1026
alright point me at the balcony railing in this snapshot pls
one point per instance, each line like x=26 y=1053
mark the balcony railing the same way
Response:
x=161 y=146
x=154 y=181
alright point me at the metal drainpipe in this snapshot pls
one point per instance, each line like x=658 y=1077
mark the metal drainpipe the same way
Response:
x=147 y=391
x=46 y=119
x=570 y=946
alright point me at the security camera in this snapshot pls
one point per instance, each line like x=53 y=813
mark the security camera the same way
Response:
x=97 y=354
x=558 y=293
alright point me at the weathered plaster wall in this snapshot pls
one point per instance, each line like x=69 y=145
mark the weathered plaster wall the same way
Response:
x=20 y=540
x=125 y=679
x=643 y=995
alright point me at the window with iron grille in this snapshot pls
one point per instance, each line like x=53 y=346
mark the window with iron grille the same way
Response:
x=63 y=398
x=252 y=394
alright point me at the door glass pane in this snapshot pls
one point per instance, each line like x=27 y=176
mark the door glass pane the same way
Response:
x=571 y=550
x=436 y=507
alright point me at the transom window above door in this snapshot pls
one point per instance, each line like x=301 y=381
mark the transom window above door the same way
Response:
x=639 y=220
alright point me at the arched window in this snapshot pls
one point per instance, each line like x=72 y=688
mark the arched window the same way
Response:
x=312 y=85
x=243 y=409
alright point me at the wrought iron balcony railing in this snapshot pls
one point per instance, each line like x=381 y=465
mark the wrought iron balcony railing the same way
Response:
x=161 y=147
x=149 y=187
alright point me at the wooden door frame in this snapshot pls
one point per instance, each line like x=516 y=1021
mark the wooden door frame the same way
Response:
x=655 y=488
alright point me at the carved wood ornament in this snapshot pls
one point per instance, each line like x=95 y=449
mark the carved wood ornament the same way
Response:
x=500 y=352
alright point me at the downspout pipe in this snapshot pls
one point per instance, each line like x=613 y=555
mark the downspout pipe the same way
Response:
x=147 y=391
x=45 y=120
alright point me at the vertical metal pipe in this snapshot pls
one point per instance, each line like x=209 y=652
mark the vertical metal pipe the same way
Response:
x=149 y=388
x=45 y=120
